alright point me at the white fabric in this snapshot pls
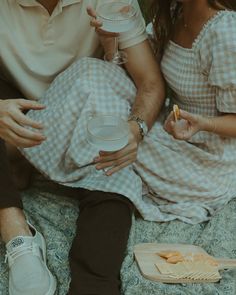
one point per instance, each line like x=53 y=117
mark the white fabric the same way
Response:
x=35 y=47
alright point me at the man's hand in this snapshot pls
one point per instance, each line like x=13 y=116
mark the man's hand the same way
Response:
x=95 y=23
x=188 y=125
x=114 y=161
x=13 y=122
x=107 y=39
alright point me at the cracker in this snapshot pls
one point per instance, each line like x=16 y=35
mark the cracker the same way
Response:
x=176 y=112
x=175 y=259
x=168 y=254
x=192 y=270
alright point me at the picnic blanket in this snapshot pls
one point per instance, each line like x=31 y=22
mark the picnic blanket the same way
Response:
x=55 y=216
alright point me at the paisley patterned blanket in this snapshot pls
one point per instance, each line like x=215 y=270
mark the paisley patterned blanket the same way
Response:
x=55 y=217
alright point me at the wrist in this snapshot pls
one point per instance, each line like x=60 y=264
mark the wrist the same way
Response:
x=134 y=128
x=142 y=126
x=209 y=125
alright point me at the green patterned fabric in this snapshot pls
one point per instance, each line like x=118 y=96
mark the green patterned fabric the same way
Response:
x=55 y=217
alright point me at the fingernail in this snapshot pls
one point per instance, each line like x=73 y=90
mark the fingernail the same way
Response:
x=96 y=159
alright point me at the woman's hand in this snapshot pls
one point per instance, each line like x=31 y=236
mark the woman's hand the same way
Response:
x=13 y=122
x=188 y=125
x=107 y=39
x=114 y=161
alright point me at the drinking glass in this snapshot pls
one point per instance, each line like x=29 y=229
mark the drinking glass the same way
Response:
x=117 y=17
x=108 y=132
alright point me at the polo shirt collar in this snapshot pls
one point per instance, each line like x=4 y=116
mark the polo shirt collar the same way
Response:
x=36 y=3
x=69 y=2
x=27 y=2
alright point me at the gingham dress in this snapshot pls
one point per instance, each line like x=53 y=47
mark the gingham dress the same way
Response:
x=191 y=179
x=186 y=180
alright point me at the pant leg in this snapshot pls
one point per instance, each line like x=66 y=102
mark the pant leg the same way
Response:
x=98 y=249
x=9 y=196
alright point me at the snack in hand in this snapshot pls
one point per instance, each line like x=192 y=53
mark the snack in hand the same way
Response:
x=176 y=112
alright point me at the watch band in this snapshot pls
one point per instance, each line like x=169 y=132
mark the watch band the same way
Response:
x=143 y=129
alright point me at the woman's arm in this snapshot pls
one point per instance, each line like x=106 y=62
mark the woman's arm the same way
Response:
x=224 y=125
x=189 y=124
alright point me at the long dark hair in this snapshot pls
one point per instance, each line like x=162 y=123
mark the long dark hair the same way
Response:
x=164 y=14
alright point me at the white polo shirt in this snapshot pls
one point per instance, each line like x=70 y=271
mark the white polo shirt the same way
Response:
x=35 y=46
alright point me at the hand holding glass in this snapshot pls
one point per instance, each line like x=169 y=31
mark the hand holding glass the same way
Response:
x=117 y=17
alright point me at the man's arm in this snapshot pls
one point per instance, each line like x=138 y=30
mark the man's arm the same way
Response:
x=146 y=74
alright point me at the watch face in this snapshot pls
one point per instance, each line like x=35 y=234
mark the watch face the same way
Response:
x=144 y=127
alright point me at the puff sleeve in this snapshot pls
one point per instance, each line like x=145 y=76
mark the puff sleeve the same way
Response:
x=222 y=67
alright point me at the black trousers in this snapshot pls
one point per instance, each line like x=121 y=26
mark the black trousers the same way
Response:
x=9 y=196
x=98 y=249
x=102 y=228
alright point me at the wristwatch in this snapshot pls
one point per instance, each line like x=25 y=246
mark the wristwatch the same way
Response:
x=143 y=129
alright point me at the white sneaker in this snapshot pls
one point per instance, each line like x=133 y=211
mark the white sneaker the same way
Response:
x=28 y=271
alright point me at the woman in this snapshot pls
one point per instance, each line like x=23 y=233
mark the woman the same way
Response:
x=191 y=169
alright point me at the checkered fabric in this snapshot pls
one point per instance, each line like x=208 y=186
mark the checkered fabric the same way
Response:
x=190 y=180
x=88 y=87
x=186 y=180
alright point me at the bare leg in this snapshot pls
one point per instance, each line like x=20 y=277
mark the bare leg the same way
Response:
x=13 y=223
x=25 y=252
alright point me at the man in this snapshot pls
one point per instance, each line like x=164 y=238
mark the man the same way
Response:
x=39 y=40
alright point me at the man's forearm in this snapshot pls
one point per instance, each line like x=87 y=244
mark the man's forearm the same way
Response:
x=146 y=74
x=149 y=100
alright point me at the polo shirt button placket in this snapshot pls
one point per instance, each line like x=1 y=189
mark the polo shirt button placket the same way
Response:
x=48 y=31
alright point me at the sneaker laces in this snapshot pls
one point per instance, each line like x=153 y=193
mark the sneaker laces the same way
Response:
x=19 y=251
